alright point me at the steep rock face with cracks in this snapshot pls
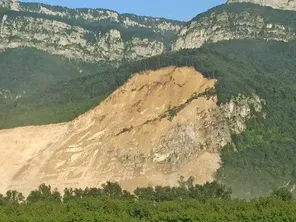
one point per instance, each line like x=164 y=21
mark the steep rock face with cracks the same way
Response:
x=278 y=4
x=90 y=35
x=238 y=21
x=9 y=4
x=159 y=126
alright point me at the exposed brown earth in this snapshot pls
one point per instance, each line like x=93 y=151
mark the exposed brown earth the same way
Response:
x=159 y=126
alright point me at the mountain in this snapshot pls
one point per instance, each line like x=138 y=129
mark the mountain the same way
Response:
x=148 y=132
x=278 y=4
x=26 y=70
x=41 y=45
x=264 y=155
x=260 y=149
x=237 y=21
x=9 y=4
x=84 y=34
x=220 y=105
x=104 y=16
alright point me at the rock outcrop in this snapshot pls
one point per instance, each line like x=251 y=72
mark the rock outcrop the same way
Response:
x=73 y=42
x=10 y=4
x=84 y=34
x=159 y=126
x=277 y=4
x=226 y=23
x=8 y=95
x=104 y=15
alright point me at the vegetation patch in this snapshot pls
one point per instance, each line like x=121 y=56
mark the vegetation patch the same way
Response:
x=187 y=202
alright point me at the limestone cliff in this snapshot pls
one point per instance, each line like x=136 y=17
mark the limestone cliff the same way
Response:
x=103 y=15
x=237 y=21
x=73 y=42
x=278 y=4
x=160 y=125
x=9 y=4
x=84 y=34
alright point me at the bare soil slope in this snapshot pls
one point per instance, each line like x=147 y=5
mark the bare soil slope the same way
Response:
x=158 y=126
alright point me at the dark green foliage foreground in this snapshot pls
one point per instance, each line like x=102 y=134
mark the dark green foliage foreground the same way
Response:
x=210 y=202
x=109 y=210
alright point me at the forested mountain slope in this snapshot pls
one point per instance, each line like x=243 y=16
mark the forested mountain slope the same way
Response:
x=264 y=153
x=41 y=45
x=249 y=49
x=88 y=36
x=27 y=70
x=65 y=100
x=264 y=156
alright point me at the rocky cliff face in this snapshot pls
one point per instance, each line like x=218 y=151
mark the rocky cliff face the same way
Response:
x=89 y=35
x=160 y=125
x=235 y=22
x=9 y=4
x=278 y=4
x=104 y=15
x=73 y=42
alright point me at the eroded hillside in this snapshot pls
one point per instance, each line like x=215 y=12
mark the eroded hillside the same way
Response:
x=160 y=125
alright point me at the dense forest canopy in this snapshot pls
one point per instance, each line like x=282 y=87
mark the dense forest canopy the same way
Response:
x=29 y=70
x=210 y=202
x=266 y=151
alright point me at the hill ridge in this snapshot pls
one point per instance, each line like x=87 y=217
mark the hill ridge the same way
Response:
x=277 y=4
x=148 y=132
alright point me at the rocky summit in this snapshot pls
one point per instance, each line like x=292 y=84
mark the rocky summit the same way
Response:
x=237 y=21
x=9 y=4
x=84 y=34
x=278 y=4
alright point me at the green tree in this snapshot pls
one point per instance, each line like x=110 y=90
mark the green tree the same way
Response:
x=14 y=197
x=44 y=193
x=2 y=200
x=68 y=194
x=112 y=190
x=145 y=193
x=92 y=192
x=212 y=190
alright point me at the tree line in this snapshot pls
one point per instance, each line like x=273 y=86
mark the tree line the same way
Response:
x=186 y=202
